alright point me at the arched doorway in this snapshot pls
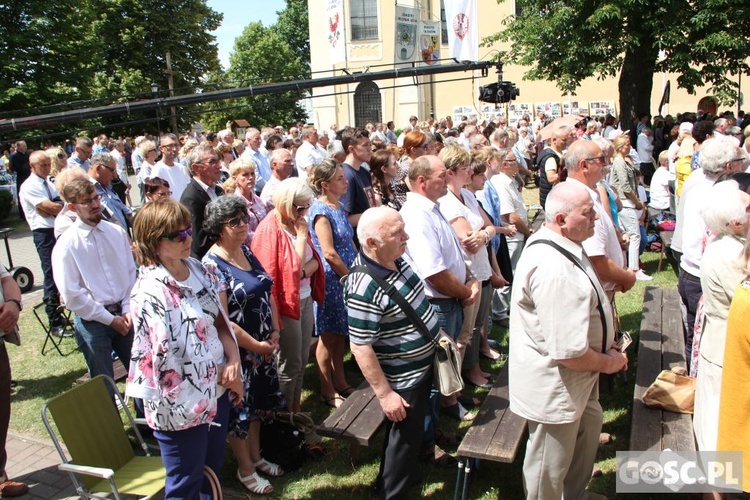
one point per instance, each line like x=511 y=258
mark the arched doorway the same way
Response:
x=367 y=104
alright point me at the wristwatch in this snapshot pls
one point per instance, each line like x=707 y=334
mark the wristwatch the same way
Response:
x=18 y=303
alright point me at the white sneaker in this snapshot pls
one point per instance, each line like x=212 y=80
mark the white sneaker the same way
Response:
x=641 y=276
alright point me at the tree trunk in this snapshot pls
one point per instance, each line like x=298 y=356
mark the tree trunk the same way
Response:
x=636 y=83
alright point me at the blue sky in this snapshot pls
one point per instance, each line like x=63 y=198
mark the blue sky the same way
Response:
x=237 y=15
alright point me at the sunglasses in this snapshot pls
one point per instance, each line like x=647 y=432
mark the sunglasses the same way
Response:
x=180 y=235
x=236 y=221
x=301 y=208
x=61 y=156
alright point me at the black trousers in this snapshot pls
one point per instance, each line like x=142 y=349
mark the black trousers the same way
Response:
x=401 y=446
x=44 y=240
x=4 y=406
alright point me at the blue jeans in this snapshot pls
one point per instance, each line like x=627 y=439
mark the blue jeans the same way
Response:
x=97 y=341
x=185 y=452
x=450 y=316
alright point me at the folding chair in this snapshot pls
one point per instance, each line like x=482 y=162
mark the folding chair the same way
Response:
x=102 y=459
x=51 y=337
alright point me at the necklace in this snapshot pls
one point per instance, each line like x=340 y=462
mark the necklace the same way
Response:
x=238 y=261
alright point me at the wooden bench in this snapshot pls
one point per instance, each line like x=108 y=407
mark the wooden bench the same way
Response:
x=119 y=370
x=358 y=420
x=666 y=243
x=661 y=346
x=494 y=435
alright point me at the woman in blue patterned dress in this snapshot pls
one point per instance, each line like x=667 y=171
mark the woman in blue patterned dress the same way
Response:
x=332 y=236
x=247 y=296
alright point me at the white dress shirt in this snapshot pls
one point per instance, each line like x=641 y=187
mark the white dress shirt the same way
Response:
x=433 y=245
x=93 y=267
x=31 y=194
x=510 y=201
x=307 y=155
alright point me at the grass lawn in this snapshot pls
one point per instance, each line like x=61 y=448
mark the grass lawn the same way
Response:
x=42 y=377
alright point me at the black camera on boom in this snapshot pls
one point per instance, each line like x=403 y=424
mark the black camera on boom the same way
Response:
x=500 y=91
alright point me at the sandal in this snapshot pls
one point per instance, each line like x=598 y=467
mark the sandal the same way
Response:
x=332 y=401
x=459 y=413
x=255 y=484
x=269 y=468
x=346 y=392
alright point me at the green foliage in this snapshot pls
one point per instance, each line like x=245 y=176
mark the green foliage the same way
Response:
x=96 y=52
x=264 y=55
x=566 y=41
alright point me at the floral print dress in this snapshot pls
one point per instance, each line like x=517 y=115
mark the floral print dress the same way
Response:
x=249 y=302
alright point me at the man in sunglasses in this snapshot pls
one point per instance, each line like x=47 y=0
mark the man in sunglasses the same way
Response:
x=102 y=171
x=94 y=271
x=203 y=164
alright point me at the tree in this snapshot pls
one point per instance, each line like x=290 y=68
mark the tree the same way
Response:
x=568 y=40
x=292 y=25
x=78 y=53
x=260 y=56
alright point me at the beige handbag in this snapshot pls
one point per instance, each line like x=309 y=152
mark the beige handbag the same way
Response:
x=673 y=390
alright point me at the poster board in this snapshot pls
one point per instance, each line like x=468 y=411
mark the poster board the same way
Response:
x=602 y=108
x=580 y=108
x=551 y=109
x=467 y=111
x=518 y=110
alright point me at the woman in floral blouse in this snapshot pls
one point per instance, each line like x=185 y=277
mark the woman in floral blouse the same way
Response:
x=241 y=182
x=252 y=310
x=184 y=355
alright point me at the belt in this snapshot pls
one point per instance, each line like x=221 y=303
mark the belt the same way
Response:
x=688 y=276
x=115 y=309
x=439 y=301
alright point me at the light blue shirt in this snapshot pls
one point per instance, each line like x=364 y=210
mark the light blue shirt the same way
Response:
x=491 y=203
x=263 y=171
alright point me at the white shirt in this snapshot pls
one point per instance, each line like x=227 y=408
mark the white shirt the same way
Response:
x=93 y=267
x=554 y=317
x=176 y=176
x=660 y=196
x=122 y=169
x=645 y=147
x=695 y=234
x=695 y=178
x=433 y=245
x=210 y=190
x=604 y=242
x=510 y=201
x=452 y=208
x=31 y=194
x=307 y=155
x=266 y=196
x=674 y=148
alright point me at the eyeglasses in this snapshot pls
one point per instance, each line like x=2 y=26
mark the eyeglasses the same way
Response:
x=180 y=235
x=601 y=159
x=301 y=208
x=172 y=145
x=88 y=201
x=211 y=161
x=743 y=160
x=236 y=221
x=61 y=156
x=162 y=194
x=113 y=170
x=511 y=160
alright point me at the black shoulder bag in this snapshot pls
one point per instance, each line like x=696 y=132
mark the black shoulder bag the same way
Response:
x=606 y=381
x=447 y=364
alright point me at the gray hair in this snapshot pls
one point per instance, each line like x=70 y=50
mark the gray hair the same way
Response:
x=275 y=155
x=223 y=208
x=335 y=148
x=716 y=153
x=728 y=204
x=719 y=122
x=562 y=199
x=100 y=159
x=499 y=135
x=84 y=142
x=306 y=131
x=223 y=134
x=196 y=156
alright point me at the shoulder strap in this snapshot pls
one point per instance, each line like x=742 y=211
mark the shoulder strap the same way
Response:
x=399 y=300
x=576 y=263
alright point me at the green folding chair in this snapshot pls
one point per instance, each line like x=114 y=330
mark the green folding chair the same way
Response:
x=102 y=459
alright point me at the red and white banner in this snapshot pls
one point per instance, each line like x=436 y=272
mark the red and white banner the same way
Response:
x=334 y=22
x=462 y=20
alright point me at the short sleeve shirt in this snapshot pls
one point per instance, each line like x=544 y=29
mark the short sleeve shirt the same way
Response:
x=359 y=196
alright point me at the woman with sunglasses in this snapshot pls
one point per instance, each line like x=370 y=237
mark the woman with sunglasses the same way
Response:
x=184 y=358
x=59 y=161
x=333 y=237
x=415 y=145
x=283 y=246
x=156 y=189
x=242 y=175
x=252 y=310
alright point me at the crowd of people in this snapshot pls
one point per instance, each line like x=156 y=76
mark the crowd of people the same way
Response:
x=248 y=256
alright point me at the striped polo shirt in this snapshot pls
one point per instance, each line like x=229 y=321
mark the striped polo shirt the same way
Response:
x=405 y=355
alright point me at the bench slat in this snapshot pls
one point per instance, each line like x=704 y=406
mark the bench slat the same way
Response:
x=646 y=428
x=357 y=420
x=497 y=432
x=677 y=431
